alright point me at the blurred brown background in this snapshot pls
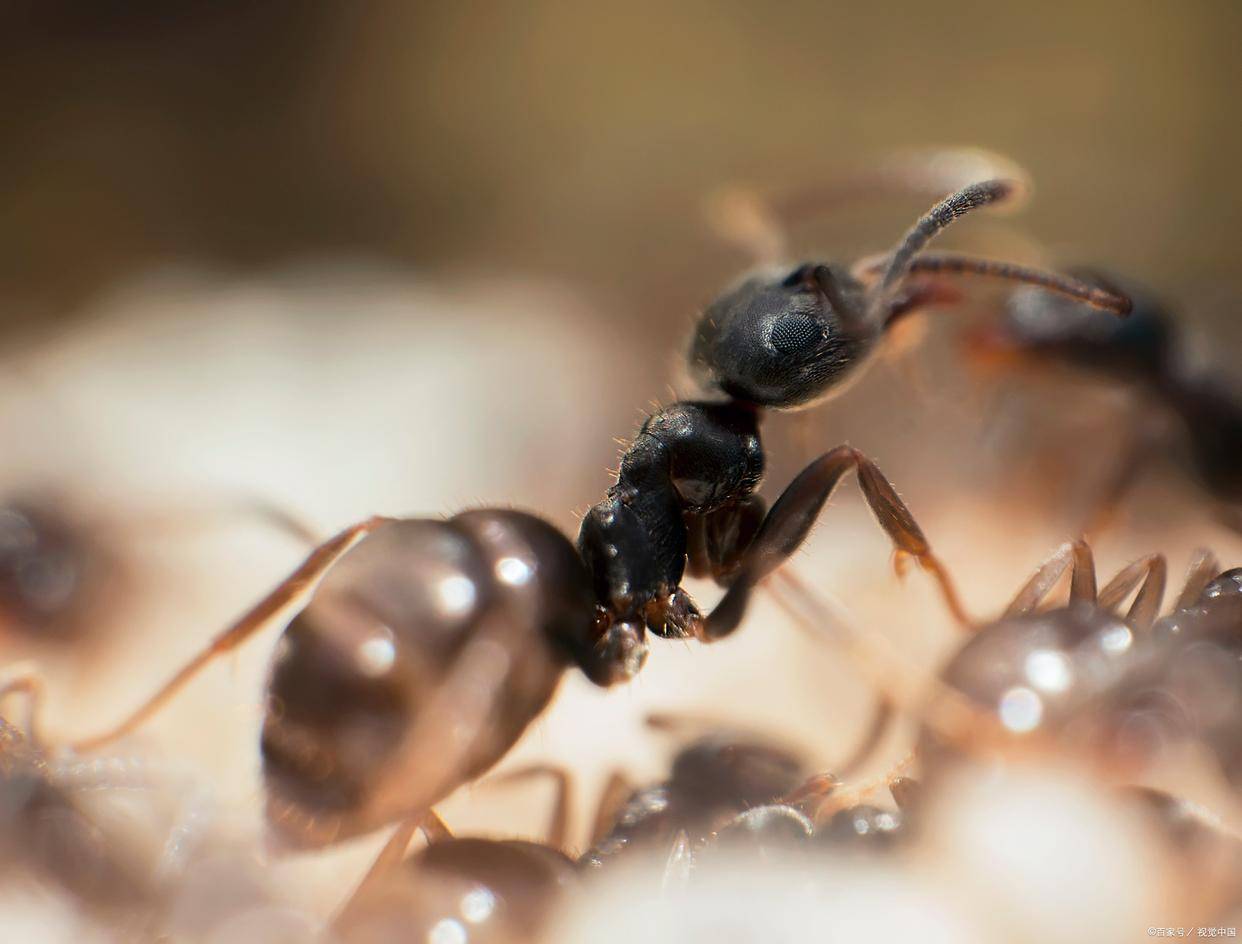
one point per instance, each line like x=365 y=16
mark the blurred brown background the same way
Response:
x=576 y=140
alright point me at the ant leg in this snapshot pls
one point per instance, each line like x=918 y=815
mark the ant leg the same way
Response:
x=1152 y=571
x=791 y=517
x=724 y=537
x=392 y=855
x=913 y=690
x=1082 y=577
x=25 y=680
x=253 y=620
x=558 y=823
x=882 y=715
x=1041 y=583
x=881 y=721
x=616 y=790
x=1035 y=590
x=1203 y=568
x=816 y=792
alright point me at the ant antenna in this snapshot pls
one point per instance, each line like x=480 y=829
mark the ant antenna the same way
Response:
x=952 y=263
x=939 y=217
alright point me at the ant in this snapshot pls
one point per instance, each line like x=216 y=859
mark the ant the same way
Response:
x=507 y=886
x=1148 y=352
x=1124 y=688
x=428 y=646
x=458 y=889
x=712 y=779
x=1119 y=691
x=781 y=339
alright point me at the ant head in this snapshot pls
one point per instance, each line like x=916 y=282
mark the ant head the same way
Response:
x=783 y=340
x=1041 y=327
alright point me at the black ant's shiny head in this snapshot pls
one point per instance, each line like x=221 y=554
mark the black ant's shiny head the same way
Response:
x=784 y=340
x=1039 y=327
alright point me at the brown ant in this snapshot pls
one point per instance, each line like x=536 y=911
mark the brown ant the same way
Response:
x=428 y=646
x=506 y=888
x=1148 y=353
x=712 y=780
x=464 y=888
x=1122 y=688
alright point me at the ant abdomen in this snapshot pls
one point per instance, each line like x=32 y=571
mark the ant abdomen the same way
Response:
x=419 y=661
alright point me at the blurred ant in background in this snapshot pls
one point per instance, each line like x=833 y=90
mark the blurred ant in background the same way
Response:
x=505 y=889
x=1147 y=354
x=1132 y=698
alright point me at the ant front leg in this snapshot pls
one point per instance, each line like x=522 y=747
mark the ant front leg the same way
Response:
x=253 y=620
x=789 y=522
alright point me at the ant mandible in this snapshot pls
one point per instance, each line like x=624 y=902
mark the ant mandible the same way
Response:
x=429 y=646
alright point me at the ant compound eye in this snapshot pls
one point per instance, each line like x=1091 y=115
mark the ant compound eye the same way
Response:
x=796 y=332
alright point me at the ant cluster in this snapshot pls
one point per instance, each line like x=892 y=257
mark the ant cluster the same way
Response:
x=421 y=650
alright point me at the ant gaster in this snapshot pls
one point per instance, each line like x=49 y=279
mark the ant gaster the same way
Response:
x=430 y=647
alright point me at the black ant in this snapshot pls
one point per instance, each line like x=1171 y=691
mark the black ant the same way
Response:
x=1147 y=352
x=684 y=498
x=430 y=646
